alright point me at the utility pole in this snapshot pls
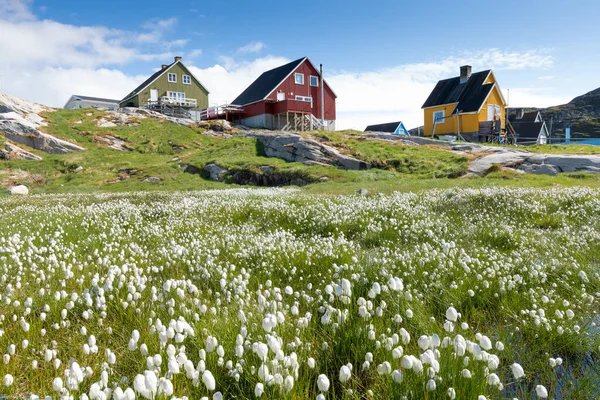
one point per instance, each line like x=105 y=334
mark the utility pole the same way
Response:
x=322 y=98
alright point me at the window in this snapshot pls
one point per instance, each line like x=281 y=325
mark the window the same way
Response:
x=438 y=117
x=176 y=95
x=172 y=78
x=314 y=81
x=299 y=78
x=187 y=80
x=303 y=98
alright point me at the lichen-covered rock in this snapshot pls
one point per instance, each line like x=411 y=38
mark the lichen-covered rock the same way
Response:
x=216 y=172
x=293 y=147
x=13 y=152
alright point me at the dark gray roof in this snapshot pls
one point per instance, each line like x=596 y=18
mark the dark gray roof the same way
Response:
x=389 y=127
x=266 y=83
x=147 y=81
x=527 y=129
x=99 y=99
x=470 y=95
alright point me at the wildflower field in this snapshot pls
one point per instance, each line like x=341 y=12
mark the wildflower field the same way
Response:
x=447 y=294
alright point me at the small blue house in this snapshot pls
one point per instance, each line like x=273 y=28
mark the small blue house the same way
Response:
x=397 y=128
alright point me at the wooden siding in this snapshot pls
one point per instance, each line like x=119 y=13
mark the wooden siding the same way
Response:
x=446 y=127
x=162 y=84
x=291 y=90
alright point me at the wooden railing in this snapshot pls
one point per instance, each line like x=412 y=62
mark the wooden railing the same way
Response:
x=224 y=110
x=192 y=103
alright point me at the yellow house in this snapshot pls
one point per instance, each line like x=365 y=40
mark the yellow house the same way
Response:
x=470 y=105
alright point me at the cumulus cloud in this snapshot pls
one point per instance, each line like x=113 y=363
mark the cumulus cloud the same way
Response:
x=16 y=10
x=48 y=61
x=253 y=47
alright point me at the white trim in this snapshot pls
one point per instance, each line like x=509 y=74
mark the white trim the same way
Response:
x=303 y=98
x=438 y=118
x=169 y=77
x=495 y=85
x=439 y=105
x=298 y=75
x=310 y=80
x=290 y=74
x=160 y=75
x=183 y=79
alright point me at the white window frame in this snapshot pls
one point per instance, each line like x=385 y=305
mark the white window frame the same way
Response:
x=440 y=120
x=299 y=75
x=304 y=98
x=169 y=75
x=176 y=95
x=189 y=79
x=310 y=81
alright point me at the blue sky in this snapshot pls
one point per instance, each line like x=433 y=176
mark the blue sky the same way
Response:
x=382 y=58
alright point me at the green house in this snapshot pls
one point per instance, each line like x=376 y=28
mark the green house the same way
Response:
x=172 y=84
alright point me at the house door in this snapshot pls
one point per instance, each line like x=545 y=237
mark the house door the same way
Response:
x=491 y=112
x=153 y=94
x=280 y=96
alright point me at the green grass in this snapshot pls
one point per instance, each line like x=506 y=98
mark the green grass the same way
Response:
x=158 y=147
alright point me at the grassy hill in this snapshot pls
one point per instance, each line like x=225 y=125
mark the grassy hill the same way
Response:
x=162 y=149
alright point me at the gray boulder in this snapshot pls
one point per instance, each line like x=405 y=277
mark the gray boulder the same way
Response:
x=20 y=190
x=13 y=152
x=28 y=136
x=215 y=172
x=293 y=147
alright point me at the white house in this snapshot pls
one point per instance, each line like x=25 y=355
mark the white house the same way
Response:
x=77 y=101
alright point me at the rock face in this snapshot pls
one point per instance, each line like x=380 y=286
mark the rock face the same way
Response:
x=35 y=139
x=20 y=120
x=293 y=147
x=215 y=172
x=19 y=190
x=13 y=152
x=549 y=164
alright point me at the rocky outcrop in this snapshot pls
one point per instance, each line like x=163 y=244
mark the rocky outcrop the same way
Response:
x=215 y=172
x=28 y=136
x=548 y=164
x=112 y=142
x=293 y=147
x=13 y=152
x=20 y=120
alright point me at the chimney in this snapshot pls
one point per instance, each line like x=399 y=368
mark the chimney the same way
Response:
x=177 y=58
x=164 y=66
x=465 y=73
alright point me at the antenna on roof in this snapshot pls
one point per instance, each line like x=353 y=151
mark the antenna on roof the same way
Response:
x=322 y=98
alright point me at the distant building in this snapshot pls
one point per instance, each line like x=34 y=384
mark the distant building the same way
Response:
x=287 y=97
x=397 y=128
x=529 y=127
x=78 y=101
x=172 y=85
x=471 y=105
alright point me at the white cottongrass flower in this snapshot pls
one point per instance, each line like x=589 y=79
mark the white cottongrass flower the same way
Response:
x=323 y=383
x=517 y=371
x=259 y=389
x=209 y=380
x=8 y=380
x=541 y=391
x=345 y=374
x=451 y=314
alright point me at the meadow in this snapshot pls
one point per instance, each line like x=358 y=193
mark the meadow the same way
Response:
x=277 y=293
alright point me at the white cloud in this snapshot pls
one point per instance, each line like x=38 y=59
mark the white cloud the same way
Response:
x=226 y=82
x=48 y=61
x=253 y=47
x=16 y=10
x=533 y=97
x=195 y=53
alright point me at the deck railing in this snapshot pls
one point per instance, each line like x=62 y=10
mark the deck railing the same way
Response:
x=185 y=102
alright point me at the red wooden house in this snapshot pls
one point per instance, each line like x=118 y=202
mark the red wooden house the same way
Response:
x=287 y=98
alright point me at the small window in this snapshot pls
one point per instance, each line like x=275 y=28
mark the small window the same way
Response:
x=303 y=98
x=172 y=78
x=314 y=81
x=438 y=117
x=187 y=80
x=299 y=79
